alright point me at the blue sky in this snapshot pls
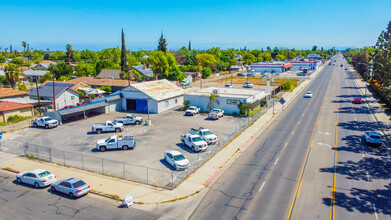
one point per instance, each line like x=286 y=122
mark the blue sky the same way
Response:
x=97 y=24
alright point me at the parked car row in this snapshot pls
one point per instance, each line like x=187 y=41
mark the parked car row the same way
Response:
x=39 y=178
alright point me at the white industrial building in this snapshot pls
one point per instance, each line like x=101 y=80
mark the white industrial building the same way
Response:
x=153 y=96
x=228 y=99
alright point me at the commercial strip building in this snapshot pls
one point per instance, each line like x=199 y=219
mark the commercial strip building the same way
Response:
x=279 y=67
x=227 y=99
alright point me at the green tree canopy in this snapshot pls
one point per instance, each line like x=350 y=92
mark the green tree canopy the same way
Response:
x=60 y=69
x=206 y=60
x=12 y=72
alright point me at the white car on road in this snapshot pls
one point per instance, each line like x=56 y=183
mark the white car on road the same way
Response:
x=308 y=94
x=176 y=160
x=37 y=178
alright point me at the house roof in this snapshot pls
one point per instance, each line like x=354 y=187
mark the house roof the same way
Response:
x=8 y=92
x=40 y=65
x=286 y=65
x=35 y=72
x=7 y=106
x=109 y=73
x=27 y=101
x=73 y=86
x=101 y=82
x=160 y=89
x=47 y=61
x=47 y=90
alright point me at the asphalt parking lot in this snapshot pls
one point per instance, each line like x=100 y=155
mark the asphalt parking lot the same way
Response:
x=152 y=141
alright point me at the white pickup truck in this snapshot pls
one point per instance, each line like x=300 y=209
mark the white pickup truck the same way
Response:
x=216 y=113
x=207 y=135
x=109 y=126
x=129 y=119
x=194 y=141
x=45 y=121
x=116 y=142
x=192 y=110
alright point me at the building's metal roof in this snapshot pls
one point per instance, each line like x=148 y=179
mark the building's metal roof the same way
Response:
x=249 y=94
x=35 y=72
x=159 y=90
x=82 y=108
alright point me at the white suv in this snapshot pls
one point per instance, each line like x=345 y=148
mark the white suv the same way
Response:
x=372 y=137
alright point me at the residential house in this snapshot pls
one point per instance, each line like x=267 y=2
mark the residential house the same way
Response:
x=115 y=84
x=12 y=93
x=109 y=74
x=8 y=109
x=34 y=75
x=64 y=95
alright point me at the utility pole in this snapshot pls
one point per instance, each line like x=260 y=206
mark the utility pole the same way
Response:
x=39 y=102
x=54 y=95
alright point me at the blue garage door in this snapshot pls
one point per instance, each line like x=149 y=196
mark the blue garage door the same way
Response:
x=141 y=106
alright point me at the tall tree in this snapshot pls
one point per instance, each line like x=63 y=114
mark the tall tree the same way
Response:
x=162 y=44
x=314 y=48
x=69 y=54
x=124 y=59
x=12 y=72
x=24 y=44
x=189 y=48
x=382 y=58
x=10 y=48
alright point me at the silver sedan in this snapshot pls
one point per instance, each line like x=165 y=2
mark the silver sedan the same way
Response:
x=38 y=178
x=72 y=187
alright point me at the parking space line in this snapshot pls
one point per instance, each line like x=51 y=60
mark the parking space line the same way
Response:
x=261 y=186
x=367 y=176
x=285 y=145
x=276 y=162
x=298 y=122
x=293 y=132
x=363 y=154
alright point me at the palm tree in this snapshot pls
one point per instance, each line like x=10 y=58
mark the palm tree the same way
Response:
x=69 y=53
x=212 y=98
x=24 y=44
x=12 y=72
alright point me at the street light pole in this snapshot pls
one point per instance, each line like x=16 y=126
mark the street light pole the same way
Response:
x=39 y=102
x=274 y=92
x=54 y=95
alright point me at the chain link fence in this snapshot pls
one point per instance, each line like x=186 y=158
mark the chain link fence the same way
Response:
x=137 y=173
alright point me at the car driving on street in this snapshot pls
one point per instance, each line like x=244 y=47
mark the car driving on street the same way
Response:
x=72 y=187
x=37 y=178
x=373 y=137
x=308 y=94
x=357 y=100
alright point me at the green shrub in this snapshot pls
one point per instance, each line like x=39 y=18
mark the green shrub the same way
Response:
x=287 y=86
x=206 y=72
x=22 y=87
x=263 y=103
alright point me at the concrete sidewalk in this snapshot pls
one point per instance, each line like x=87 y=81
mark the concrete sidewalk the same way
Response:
x=195 y=183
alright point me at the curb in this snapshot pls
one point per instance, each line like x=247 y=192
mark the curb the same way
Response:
x=15 y=129
x=10 y=170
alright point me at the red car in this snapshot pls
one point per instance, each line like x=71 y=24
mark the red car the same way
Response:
x=68 y=106
x=357 y=100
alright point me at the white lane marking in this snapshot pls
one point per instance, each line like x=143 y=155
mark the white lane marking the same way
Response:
x=298 y=122
x=374 y=209
x=357 y=127
x=367 y=175
x=285 y=145
x=362 y=154
x=355 y=119
x=325 y=133
x=262 y=186
x=302 y=115
x=276 y=162
x=293 y=132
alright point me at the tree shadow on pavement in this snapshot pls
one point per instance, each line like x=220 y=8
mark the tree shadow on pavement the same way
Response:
x=378 y=167
x=363 y=126
x=363 y=200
